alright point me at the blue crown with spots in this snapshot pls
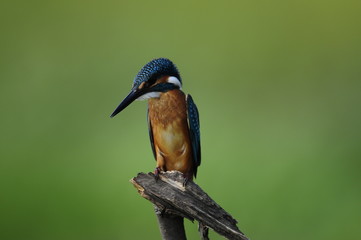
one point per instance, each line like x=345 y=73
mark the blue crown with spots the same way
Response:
x=156 y=69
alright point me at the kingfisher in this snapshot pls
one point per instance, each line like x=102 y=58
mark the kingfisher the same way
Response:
x=173 y=119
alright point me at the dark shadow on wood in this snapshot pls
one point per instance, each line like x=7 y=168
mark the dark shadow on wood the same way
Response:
x=172 y=198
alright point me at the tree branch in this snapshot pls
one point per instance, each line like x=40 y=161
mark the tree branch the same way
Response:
x=172 y=198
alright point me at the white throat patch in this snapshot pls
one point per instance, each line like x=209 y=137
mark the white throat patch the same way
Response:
x=149 y=95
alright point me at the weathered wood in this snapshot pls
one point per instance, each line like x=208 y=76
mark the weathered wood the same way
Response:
x=171 y=226
x=190 y=201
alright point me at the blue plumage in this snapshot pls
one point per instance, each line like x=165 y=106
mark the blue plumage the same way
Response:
x=194 y=130
x=156 y=69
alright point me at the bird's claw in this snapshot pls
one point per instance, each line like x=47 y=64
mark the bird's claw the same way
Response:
x=156 y=173
x=187 y=177
x=185 y=181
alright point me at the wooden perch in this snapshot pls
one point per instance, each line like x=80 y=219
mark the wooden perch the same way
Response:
x=172 y=198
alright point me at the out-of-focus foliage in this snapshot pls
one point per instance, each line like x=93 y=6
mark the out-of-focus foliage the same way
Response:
x=277 y=84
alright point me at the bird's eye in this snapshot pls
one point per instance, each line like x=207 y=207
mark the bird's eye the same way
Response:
x=151 y=81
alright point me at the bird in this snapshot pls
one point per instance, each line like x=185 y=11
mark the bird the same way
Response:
x=173 y=118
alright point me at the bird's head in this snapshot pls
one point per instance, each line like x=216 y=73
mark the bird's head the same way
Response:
x=157 y=76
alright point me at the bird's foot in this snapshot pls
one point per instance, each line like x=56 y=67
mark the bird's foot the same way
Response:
x=185 y=181
x=156 y=173
x=187 y=177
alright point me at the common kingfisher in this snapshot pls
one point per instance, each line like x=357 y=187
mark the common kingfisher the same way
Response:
x=173 y=119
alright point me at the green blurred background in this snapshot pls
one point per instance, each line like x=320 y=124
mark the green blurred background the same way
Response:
x=277 y=84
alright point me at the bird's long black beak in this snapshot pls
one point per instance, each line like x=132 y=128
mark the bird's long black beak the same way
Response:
x=134 y=94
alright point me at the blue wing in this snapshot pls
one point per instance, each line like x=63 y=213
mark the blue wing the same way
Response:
x=193 y=125
x=150 y=130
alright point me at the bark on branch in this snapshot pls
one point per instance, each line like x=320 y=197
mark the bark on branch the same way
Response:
x=172 y=198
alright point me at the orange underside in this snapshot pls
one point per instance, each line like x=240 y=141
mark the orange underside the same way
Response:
x=168 y=117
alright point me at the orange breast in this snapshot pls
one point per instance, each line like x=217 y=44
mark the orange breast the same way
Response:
x=168 y=116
